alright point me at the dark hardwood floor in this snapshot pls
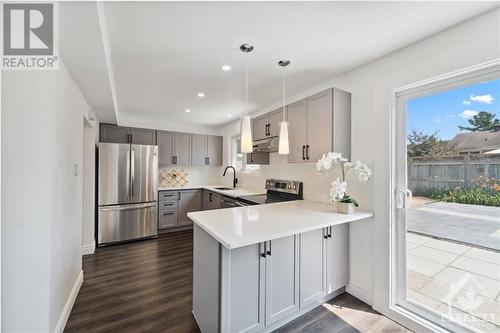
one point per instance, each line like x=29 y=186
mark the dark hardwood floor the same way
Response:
x=146 y=286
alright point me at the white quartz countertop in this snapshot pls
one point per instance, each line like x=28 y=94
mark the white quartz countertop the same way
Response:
x=230 y=193
x=241 y=226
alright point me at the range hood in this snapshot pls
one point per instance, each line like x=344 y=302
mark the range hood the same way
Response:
x=269 y=145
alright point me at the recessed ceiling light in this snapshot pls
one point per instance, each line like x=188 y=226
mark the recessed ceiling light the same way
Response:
x=229 y=115
x=187 y=110
x=200 y=94
x=226 y=67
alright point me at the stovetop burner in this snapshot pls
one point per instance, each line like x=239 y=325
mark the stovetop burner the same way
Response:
x=277 y=191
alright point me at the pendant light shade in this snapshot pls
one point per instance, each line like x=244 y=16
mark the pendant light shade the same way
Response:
x=284 y=145
x=246 y=145
x=246 y=135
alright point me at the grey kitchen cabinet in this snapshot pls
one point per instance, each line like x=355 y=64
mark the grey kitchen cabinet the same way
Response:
x=189 y=201
x=274 y=119
x=165 y=148
x=312 y=266
x=246 y=292
x=258 y=158
x=182 y=148
x=206 y=149
x=174 y=148
x=214 y=150
x=119 y=134
x=141 y=136
x=337 y=257
x=282 y=278
x=211 y=200
x=319 y=124
x=174 y=206
x=167 y=219
x=199 y=149
x=297 y=133
x=260 y=287
x=267 y=125
x=259 y=127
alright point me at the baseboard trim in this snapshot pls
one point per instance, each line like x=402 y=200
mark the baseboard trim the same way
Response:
x=359 y=293
x=88 y=249
x=63 y=318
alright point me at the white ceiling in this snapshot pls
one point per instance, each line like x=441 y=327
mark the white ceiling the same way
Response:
x=164 y=53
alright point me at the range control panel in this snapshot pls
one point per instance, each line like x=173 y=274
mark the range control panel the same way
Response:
x=287 y=186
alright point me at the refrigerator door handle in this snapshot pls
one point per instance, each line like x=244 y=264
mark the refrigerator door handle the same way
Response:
x=127 y=207
x=127 y=182
x=132 y=172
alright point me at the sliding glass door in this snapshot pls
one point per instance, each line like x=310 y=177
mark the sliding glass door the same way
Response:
x=446 y=177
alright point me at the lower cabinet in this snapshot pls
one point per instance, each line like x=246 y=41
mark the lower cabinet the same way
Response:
x=312 y=266
x=260 y=287
x=173 y=207
x=211 y=200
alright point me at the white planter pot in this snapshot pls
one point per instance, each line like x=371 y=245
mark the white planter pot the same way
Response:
x=345 y=207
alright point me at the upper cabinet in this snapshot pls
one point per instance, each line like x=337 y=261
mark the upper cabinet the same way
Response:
x=174 y=148
x=119 y=134
x=206 y=149
x=267 y=125
x=214 y=150
x=319 y=124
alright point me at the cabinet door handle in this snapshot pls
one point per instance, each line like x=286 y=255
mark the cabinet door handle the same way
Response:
x=303 y=152
x=251 y=157
x=179 y=196
x=307 y=152
x=266 y=130
x=263 y=255
x=330 y=232
x=325 y=233
x=270 y=248
x=210 y=197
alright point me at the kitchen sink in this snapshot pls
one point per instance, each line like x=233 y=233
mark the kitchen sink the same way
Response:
x=223 y=188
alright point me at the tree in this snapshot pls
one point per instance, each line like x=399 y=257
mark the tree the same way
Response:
x=483 y=121
x=421 y=145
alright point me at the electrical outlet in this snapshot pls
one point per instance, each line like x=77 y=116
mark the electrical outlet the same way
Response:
x=75 y=170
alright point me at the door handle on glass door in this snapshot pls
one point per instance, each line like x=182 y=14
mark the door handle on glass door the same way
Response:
x=400 y=199
x=408 y=198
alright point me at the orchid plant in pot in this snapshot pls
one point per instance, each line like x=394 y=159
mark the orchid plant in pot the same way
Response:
x=338 y=189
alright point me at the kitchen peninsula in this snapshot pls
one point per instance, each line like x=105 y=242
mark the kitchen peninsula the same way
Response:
x=256 y=268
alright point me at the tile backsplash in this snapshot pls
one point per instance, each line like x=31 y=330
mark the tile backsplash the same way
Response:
x=188 y=175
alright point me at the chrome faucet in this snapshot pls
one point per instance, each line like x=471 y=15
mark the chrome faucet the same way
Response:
x=235 y=180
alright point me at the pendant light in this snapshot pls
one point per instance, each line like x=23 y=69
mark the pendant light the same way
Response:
x=284 y=145
x=246 y=121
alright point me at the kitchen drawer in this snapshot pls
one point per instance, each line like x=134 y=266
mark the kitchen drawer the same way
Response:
x=167 y=204
x=167 y=195
x=167 y=219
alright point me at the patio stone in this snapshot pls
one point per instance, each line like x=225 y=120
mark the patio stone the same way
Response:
x=464 y=299
x=423 y=266
x=419 y=298
x=432 y=254
x=415 y=280
x=484 y=255
x=410 y=246
x=447 y=246
x=479 y=267
x=417 y=239
x=478 y=283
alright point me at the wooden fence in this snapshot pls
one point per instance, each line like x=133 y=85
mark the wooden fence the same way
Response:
x=431 y=174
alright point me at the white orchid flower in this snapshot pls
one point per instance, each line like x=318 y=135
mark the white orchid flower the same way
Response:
x=337 y=190
x=324 y=163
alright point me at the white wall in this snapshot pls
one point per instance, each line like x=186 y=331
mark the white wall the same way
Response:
x=42 y=124
x=88 y=174
x=464 y=45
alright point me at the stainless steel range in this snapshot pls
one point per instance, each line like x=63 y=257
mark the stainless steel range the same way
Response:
x=277 y=191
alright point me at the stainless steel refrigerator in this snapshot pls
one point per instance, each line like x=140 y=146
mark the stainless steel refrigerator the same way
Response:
x=128 y=178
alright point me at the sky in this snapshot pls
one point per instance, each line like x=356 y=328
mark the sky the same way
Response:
x=445 y=111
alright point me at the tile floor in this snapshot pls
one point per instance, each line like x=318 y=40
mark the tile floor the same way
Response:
x=458 y=281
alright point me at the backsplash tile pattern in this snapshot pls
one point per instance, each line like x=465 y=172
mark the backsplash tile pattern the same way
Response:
x=173 y=178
